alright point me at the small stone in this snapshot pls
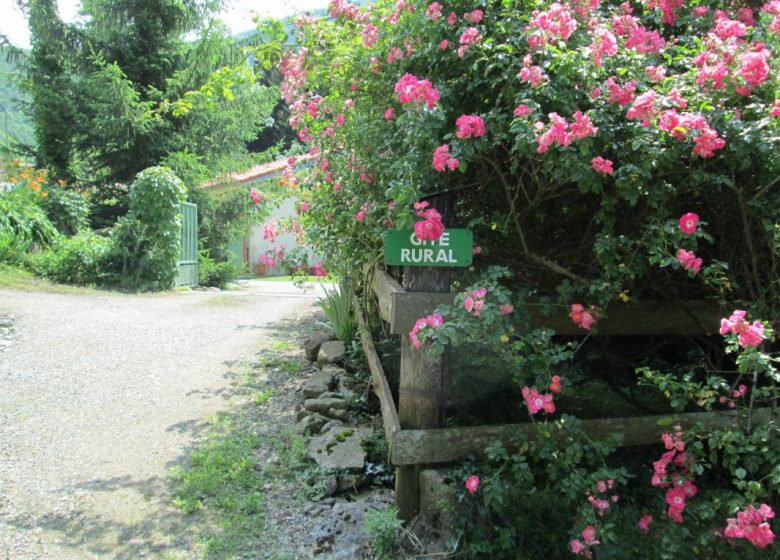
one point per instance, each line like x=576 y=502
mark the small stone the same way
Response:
x=329 y=483
x=350 y=384
x=311 y=424
x=352 y=482
x=342 y=415
x=317 y=384
x=324 y=405
x=303 y=413
x=340 y=448
x=312 y=346
x=332 y=424
x=331 y=352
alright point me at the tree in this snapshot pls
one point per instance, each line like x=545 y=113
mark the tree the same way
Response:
x=100 y=89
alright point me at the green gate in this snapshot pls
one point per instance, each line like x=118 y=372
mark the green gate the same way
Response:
x=188 y=259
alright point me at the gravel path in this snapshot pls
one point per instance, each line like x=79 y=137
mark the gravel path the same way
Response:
x=100 y=395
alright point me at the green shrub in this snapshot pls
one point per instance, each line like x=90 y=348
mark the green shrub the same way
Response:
x=382 y=526
x=147 y=240
x=68 y=210
x=212 y=273
x=81 y=259
x=337 y=305
x=23 y=222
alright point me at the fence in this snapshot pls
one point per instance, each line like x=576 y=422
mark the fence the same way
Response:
x=188 y=258
x=412 y=446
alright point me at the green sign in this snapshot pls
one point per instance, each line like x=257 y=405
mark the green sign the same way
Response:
x=402 y=248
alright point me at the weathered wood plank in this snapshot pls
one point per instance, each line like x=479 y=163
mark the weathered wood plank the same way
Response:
x=632 y=319
x=382 y=389
x=401 y=309
x=414 y=447
x=384 y=287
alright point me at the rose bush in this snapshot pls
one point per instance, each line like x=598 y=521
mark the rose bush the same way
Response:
x=602 y=152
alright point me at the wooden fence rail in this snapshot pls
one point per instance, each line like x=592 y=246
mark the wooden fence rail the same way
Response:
x=411 y=447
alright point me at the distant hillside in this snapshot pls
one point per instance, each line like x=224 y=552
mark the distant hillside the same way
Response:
x=19 y=126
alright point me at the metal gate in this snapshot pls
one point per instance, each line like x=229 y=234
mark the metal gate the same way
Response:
x=188 y=259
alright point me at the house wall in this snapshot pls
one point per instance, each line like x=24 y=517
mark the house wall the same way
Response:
x=258 y=245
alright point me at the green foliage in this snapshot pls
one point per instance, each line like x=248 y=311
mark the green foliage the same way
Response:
x=146 y=241
x=101 y=91
x=211 y=273
x=20 y=130
x=382 y=527
x=82 y=260
x=225 y=217
x=337 y=305
x=23 y=223
x=528 y=499
x=68 y=210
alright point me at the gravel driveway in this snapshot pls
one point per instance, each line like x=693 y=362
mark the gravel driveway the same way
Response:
x=100 y=394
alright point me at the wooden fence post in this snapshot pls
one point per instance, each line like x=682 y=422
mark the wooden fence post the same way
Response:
x=424 y=377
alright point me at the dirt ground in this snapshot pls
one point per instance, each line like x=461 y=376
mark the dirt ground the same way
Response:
x=100 y=395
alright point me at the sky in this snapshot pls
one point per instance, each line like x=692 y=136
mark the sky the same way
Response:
x=238 y=16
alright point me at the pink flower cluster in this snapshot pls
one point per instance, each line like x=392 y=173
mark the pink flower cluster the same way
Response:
x=319 y=270
x=411 y=89
x=689 y=260
x=442 y=160
x=430 y=227
x=603 y=44
x=434 y=321
x=522 y=110
x=643 y=107
x=603 y=501
x=433 y=12
x=340 y=8
x=644 y=523
x=256 y=198
x=370 y=35
x=537 y=402
x=470 y=36
x=583 y=546
x=474 y=17
x=472 y=483
x=270 y=231
x=602 y=165
x=470 y=126
x=551 y=25
x=561 y=133
x=749 y=334
x=735 y=394
x=475 y=301
x=679 y=125
x=272 y=256
x=532 y=74
x=622 y=95
x=582 y=317
x=752 y=525
x=672 y=471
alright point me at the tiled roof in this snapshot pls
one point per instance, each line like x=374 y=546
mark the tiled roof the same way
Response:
x=256 y=173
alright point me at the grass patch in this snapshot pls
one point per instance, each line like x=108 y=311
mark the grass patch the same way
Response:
x=17 y=279
x=263 y=397
x=244 y=466
x=226 y=301
x=284 y=346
